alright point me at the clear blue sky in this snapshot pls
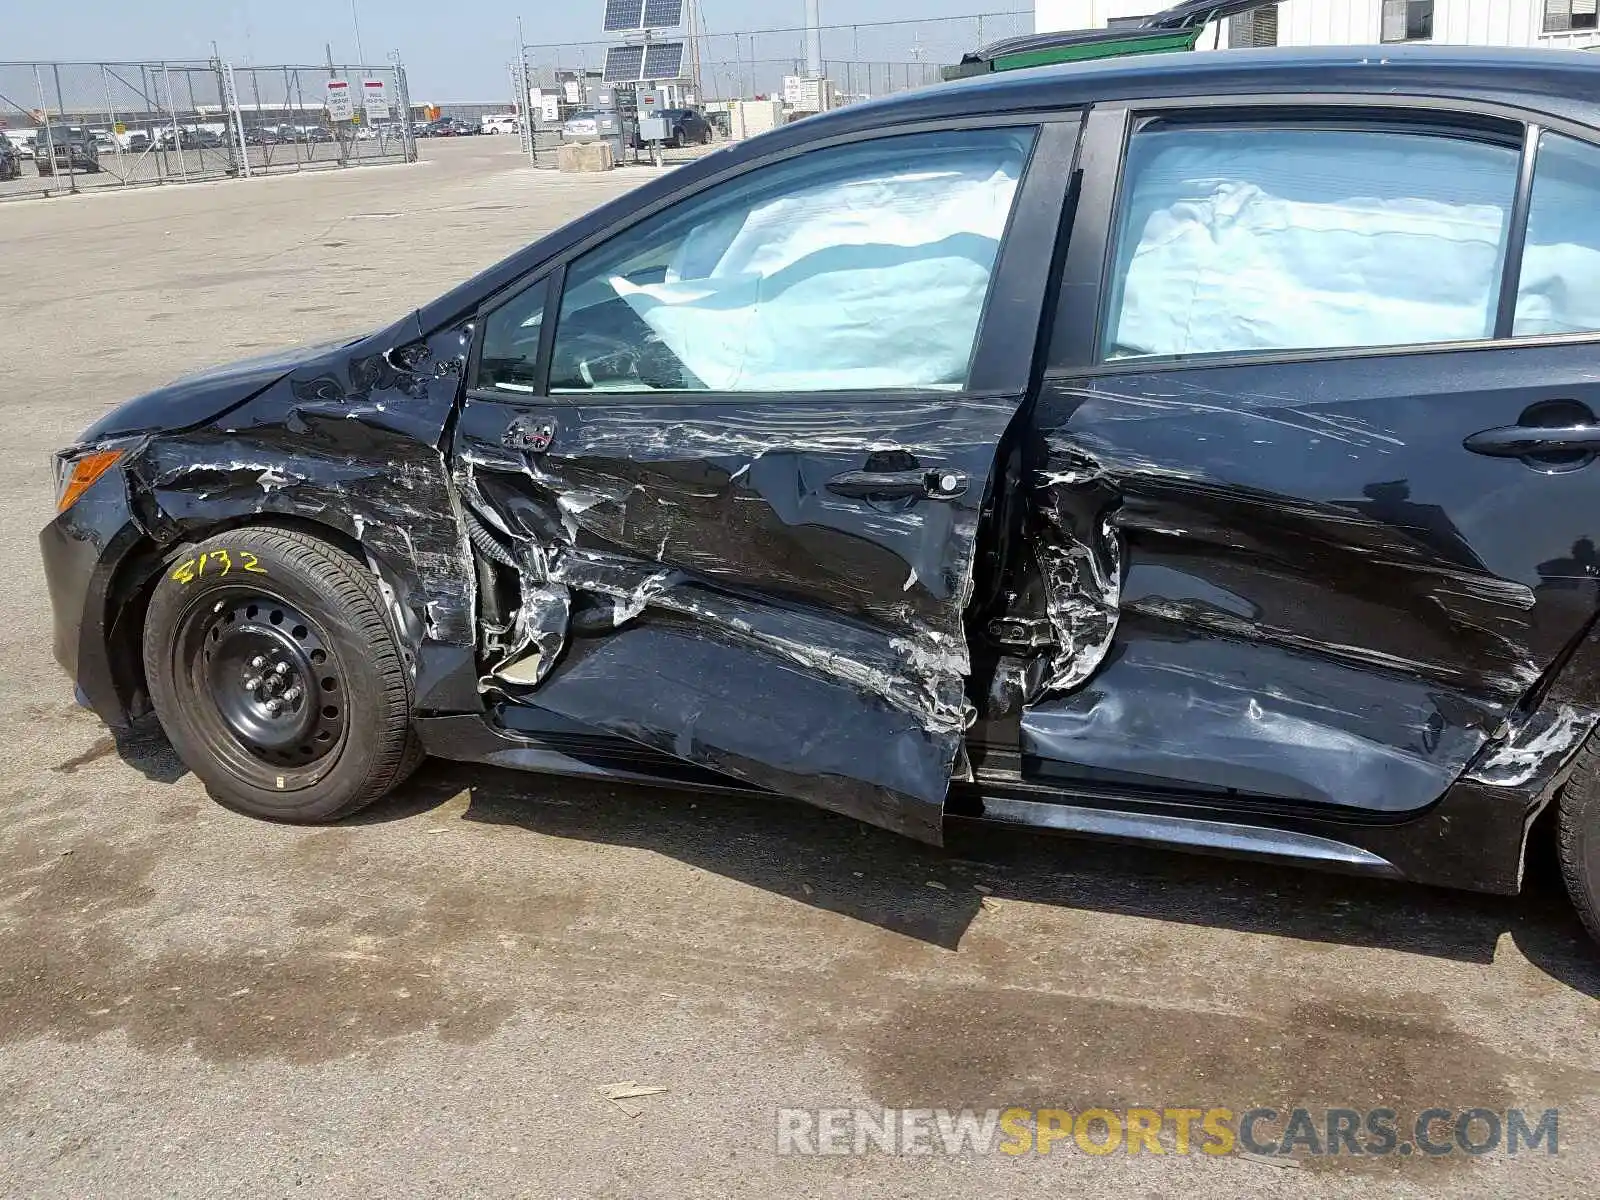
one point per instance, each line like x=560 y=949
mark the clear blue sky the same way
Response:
x=452 y=51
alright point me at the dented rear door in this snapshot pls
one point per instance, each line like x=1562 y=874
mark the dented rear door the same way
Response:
x=1319 y=576
x=735 y=456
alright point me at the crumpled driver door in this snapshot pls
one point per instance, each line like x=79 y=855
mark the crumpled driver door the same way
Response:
x=769 y=585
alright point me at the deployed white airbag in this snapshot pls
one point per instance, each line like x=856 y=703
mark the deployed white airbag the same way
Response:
x=1293 y=239
x=1560 y=286
x=858 y=283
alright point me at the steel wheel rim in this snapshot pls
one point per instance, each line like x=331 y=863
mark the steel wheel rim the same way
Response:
x=263 y=683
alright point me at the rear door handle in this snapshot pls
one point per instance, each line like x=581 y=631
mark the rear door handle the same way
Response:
x=1519 y=441
x=900 y=485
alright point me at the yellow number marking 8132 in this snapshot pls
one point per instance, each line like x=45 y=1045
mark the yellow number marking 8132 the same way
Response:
x=216 y=562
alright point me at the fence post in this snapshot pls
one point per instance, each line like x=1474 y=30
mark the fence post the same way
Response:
x=230 y=97
x=172 y=111
x=224 y=110
x=61 y=107
x=111 y=120
x=291 y=89
x=49 y=138
x=407 y=130
x=150 y=124
x=338 y=137
x=266 y=148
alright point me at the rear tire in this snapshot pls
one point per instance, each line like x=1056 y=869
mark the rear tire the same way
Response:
x=1579 y=836
x=277 y=676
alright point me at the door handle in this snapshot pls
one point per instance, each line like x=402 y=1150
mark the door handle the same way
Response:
x=900 y=485
x=1520 y=441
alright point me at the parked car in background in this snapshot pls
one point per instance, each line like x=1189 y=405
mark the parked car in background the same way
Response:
x=21 y=141
x=192 y=138
x=10 y=161
x=581 y=126
x=685 y=127
x=499 y=123
x=74 y=147
x=448 y=127
x=137 y=142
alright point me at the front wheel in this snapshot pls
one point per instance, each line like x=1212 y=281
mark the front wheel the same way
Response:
x=1579 y=831
x=277 y=676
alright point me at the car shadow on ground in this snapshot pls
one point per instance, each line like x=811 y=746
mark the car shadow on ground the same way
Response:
x=144 y=747
x=842 y=866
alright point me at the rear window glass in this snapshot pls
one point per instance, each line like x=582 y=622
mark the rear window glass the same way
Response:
x=1559 y=291
x=1241 y=239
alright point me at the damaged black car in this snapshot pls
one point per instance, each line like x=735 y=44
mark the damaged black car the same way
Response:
x=1196 y=450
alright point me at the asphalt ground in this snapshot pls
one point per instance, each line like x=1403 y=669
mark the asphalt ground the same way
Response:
x=437 y=997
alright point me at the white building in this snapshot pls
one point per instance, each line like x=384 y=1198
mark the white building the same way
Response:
x=1563 y=24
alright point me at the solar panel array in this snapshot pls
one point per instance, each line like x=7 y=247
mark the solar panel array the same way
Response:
x=663 y=60
x=650 y=60
x=623 y=14
x=663 y=14
x=623 y=64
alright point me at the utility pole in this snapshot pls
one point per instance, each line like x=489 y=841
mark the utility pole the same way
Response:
x=814 y=38
x=530 y=136
x=355 y=20
x=693 y=9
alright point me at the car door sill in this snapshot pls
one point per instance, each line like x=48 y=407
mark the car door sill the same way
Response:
x=988 y=802
x=1203 y=834
x=473 y=738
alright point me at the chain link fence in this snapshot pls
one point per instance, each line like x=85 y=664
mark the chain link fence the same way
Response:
x=73 y=127
x=862 y=59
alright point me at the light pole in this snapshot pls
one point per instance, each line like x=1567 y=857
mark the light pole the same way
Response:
x=814 y=38
x=355 y=20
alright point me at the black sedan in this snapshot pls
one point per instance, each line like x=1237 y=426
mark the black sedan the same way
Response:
x=1196 y=450
x=684 y=126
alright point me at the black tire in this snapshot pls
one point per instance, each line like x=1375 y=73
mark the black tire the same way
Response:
x=1579 y=836
x=288 y=620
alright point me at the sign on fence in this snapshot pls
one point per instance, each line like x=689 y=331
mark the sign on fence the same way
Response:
x=341 y=105
x=545 y=106
x=375 y=99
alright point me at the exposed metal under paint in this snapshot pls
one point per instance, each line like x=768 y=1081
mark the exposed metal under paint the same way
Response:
x=1536 y=748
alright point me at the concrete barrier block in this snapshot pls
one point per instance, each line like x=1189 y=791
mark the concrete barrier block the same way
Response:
x=585 y=156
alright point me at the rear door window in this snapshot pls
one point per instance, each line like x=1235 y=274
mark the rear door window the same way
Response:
x=1248 y=239
x=1559 y=290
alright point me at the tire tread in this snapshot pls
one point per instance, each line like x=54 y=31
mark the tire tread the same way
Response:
x=1578 y=820
x=361 y=606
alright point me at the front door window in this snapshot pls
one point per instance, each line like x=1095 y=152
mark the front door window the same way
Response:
x=855 y=267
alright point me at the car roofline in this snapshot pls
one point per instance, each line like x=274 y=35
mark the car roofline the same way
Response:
x=1556 y=83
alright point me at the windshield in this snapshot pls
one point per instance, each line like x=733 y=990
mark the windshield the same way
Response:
x=586 y=115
